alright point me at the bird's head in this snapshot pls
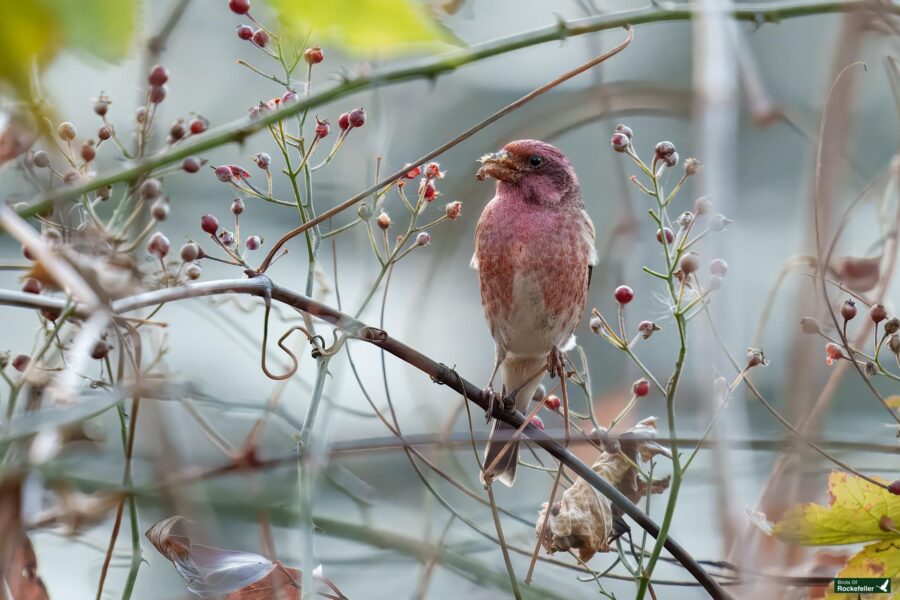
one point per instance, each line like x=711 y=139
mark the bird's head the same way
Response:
x=535 y=170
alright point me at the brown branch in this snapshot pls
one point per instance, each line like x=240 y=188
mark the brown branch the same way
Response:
x=263 y=287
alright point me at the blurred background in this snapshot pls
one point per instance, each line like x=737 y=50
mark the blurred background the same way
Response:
x=756 y=106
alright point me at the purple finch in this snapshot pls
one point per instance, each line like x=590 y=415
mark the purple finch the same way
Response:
x=534 y=248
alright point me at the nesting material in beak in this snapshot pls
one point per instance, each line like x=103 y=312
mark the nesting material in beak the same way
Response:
x=498 y=165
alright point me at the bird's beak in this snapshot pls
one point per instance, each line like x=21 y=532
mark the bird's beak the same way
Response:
x=498 y=165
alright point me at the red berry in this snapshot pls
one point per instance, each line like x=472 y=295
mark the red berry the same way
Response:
x=87 y=151
x=151 y=189
x=209 y=224
x=314 y=55
x=322 y=129
x=641 y=388
x=237 y=206
x=27 y=253
x=21 y=362
x=553 y=402
x=619 y=142
x=226 y=237
x=191 y=164
x=833 y=352
x=357 y=117
x=261 y=38
x=624 y=294
x=159 y=75
x=670 y=236
x=344 y=121
x=32 y=286
x=253 y=242
x=537 y=422
x=176 y=131
x=624 y=129
x=245 y=32
x=848 y=309
x=894 y=487
x=878 y=313
x=665 y=150
x=241 y=7
x=198 y=124
x=428 y=190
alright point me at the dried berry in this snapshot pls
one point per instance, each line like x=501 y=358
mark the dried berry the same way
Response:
x=428 y=190
x=691 y=166
x=177 y=130
x=100 y=350
x=620 y=142
x=685 y=219
x=625 y=129
x=894 y=343
x=191 y=164
x=41 y=159
x=193 y=272
x=689 y=263
x=240 y=7
x=226 y=237
x=101 y=105
x=190 y=252
x=413 y=173
x=160 y=209
x=647 y=328
x=848 y=309
x=198 y=125
x=32 y=286
x=224 y=173
x=453 y=209
x=245 y=32
x=670 y=236
x=322 y=129
x=809 y=325
x=423 y=238
x=344 y=121
x=262 y=160
x=21 y=362
x=237 y=206
x=150 y=189
x=624 y=294
x=833 y=352
x=314 y=55
x=718 y=267
x=664 y=149
x=209 y=224
x=158 y=94
x=104 y=133
x=158 y=76
x=357 y=117
x=433 y=171
x=878 y=313
x=158 y=245
x=260 y=38
x=253 y=242
x=104 y=192
x=66 y=131
x=384 y=221
x=289 y=97
x=756 y=358
x=892 y=326
x=51 y=314
x=553 y=402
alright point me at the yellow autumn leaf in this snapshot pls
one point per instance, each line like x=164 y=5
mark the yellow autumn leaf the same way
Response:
x=35 y=31
x=881 y=559
x=855 y=509
x=363 y=26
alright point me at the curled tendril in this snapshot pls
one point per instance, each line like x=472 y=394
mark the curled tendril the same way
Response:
x=317 y=341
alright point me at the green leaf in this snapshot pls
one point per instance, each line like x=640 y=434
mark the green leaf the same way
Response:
x=854 y=514
x=363 y=26
x=36 y=30
x=875 y=560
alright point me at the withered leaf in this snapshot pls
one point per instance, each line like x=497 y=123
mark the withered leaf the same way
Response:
x=211 y=572
x=859 y=274
x=583 y=519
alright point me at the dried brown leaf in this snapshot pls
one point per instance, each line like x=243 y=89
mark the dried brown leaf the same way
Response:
x=583 y=519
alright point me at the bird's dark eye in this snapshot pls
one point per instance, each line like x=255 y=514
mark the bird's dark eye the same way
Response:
x=536 y=161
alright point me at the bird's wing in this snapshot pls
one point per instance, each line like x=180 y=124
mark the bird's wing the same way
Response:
x=590 y=236
x=478 y=230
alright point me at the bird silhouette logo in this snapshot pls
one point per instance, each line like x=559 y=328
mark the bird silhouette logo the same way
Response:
x=884 y=586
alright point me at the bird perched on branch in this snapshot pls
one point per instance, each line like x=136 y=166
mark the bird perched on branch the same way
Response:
x=534 y=249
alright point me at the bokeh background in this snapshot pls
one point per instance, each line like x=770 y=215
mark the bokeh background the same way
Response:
x=765 y=169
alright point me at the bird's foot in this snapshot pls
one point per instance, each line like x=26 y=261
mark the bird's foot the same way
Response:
x=555 y=365
x=491 y=397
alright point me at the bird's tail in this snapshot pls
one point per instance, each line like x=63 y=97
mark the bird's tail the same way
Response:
x=518 y=373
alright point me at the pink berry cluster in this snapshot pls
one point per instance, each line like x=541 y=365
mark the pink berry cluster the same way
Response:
x=887 y=335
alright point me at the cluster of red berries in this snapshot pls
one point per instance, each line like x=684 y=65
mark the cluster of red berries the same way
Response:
x=877 y=314
x=225 y=238
x=351 y=119
x=257 y=36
